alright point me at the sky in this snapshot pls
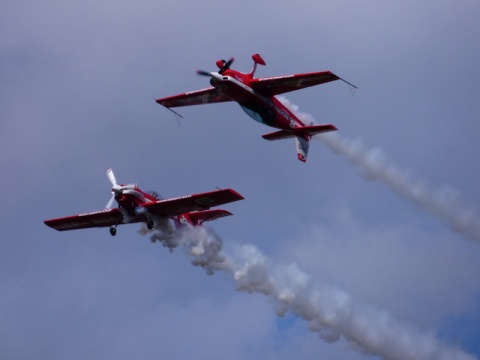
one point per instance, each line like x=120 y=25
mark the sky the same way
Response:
x=368 y=251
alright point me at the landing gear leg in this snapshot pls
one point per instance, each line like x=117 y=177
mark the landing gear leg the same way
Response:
x=150 y=223
x=113 y=229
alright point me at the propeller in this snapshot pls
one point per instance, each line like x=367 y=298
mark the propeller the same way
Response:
x=222 y=64
x=111 y=177
x=226 y=65
x=203 y=72
x=110 y=203
x=115 y=189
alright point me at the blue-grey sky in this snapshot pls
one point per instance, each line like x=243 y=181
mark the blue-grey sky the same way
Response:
x=78 y=82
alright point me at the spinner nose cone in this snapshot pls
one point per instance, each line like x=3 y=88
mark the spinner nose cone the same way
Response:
x=117 y=189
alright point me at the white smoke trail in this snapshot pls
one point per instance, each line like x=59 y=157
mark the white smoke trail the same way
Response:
x=446 y=203
x=329 y=311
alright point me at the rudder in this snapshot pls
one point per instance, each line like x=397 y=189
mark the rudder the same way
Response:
x=303 y=144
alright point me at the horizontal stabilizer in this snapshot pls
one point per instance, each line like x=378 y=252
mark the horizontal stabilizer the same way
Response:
x=314 y=129
x=300 y=131
x=278 y=135
x=199 y=217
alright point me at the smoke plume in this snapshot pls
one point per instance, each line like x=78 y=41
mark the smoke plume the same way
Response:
x=445 y=203
x=329 y=310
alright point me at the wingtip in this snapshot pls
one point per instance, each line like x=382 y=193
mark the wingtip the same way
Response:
x=238 y=195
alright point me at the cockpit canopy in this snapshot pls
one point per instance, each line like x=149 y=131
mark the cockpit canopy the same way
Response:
x=155 y=195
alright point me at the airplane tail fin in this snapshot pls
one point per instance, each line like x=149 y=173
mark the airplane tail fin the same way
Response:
x=302 y=144
x=302 y=137
x=257 y=59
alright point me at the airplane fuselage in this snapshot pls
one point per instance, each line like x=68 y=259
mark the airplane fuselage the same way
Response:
x=131 y=199
x=131 y=203
x=266 y=110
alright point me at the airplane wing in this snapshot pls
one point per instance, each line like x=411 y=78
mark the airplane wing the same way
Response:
x=198 y=97
x=184 y=204
x=276 y=85
x=102 y=218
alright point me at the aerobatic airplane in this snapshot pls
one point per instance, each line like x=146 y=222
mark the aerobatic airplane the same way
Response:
x=257 y=98
x=135 y=205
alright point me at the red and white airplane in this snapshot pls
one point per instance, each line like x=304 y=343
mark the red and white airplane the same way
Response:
x=135 y=205
x=257 y=98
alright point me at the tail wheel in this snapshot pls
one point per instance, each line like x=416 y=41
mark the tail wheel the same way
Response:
x=113 y=231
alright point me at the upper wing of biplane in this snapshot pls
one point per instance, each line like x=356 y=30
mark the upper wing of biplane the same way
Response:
x=276 y=85
x=102 y=218
x=184 y=204
x=197 y=97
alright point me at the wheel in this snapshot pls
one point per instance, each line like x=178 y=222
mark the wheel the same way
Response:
x=113 y=231
x=150 y=224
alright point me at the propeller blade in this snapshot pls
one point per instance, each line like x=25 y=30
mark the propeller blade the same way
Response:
x=203 y=72
x=229 y=62
x=111 y=177
x=226 y=66
x=109 y=205
x=115 y=188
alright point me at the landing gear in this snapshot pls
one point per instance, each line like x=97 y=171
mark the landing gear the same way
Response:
x=113 y=229
x=150 y=224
